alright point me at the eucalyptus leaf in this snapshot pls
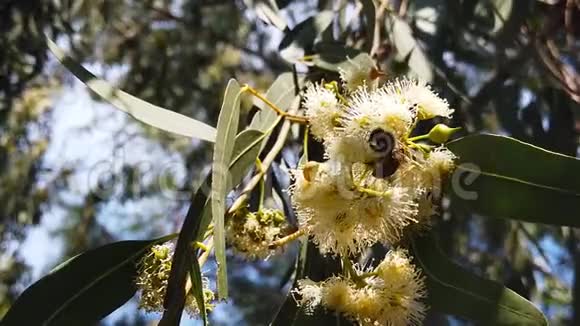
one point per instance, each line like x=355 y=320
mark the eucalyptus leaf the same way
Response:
x=352 y=66
x=408 y=48
x=84 y=289
x=298 y=41
x=269 y=14
x=333 y=56
x=428 y=16
x=143 y=111
x=501 y=12
x=226 y=132
x=503 y=177
x=197 y=288
x=174 y=300
x=454 y=290
x=246 y=149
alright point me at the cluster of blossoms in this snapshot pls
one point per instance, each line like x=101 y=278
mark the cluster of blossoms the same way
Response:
x=252 y=233
x=152 y=279
x=388 y=295
x=377 y=180
x=376 y=184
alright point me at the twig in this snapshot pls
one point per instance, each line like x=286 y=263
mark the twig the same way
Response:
x=379 y=17
x=276 y=148
x=285 y=115
x=534 y=241
x=403 y=8
x=287 y=239
x=201 y=260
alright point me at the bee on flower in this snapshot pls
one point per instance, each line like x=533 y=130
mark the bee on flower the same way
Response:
x=376 y=181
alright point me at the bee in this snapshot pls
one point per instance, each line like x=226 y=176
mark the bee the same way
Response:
x=389 y=158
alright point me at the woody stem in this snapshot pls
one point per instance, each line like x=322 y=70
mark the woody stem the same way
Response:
x=285 y=115
x=287 y=239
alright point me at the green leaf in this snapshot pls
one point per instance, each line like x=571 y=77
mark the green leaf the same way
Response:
x=297 y=42
x=408 y=47
x=502 y=177
x=181 y=263
x=334 y=56
x=143 y=111
x=197 y=288
x=83 y=289
x=246 y=149
x=223 y=150
x=269 y=14
x=428 y=16
x=288 y=312
x=454 y=290
x=502 y=10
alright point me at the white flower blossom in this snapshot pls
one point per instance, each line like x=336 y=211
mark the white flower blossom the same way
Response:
x=391 y=296
x=420 y=95
x=438 y=165
x=367 y=112
x=376 y=182
x=322 y=109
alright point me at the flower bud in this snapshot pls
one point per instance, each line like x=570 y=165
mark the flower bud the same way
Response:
x=251 y=233
x=153 y=277
x=441 y=133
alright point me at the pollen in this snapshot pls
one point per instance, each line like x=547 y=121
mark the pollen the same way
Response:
x=251 y=233
x=153 y=277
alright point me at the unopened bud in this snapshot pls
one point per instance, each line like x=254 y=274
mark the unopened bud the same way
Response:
x=310 y=170
x=441 y=133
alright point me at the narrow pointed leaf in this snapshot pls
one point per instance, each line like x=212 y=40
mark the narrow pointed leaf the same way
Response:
x=408 y=48
x=174 y=300
x=298 y=42
x=197 y=288
x=289 y=310
x=502 y=177
x=84 y=289
x=246 y=149
x=143 y=111
x=335 y=56
x=226 y=132
x=269 y=14
x=454 y=290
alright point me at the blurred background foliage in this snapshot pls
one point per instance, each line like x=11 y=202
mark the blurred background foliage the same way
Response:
x=507 y=67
